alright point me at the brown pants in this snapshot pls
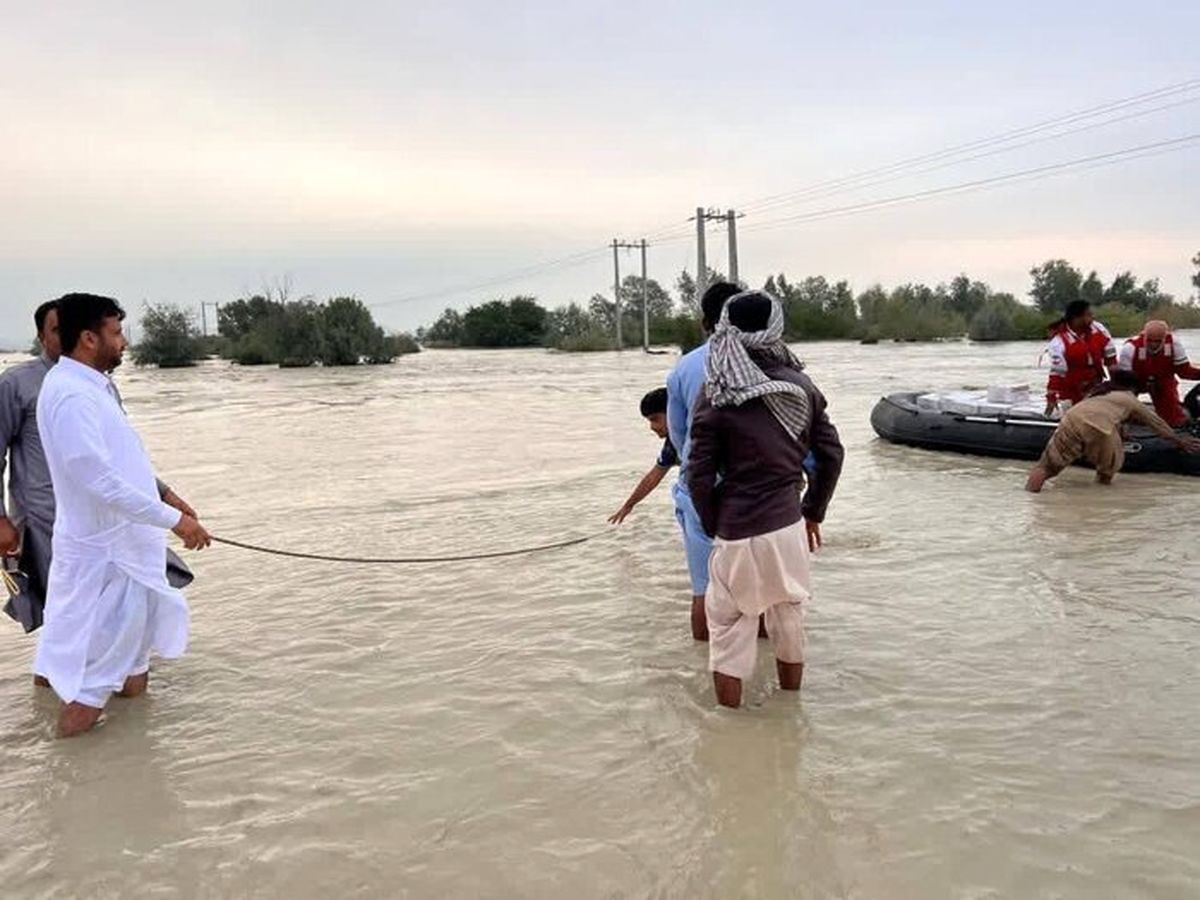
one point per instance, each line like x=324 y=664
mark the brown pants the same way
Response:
x=1071 y=443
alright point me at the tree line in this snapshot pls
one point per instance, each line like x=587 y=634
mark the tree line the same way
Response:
x=816 y=309
x=269 y=329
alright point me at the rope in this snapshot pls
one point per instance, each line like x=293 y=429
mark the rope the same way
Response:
x=410 y=560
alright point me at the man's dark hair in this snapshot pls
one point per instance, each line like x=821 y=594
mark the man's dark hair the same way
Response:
x=751 y=312
x=1122 y=380
x=654 y=402
x=40 y=314
x=714 y=301
x=1074 y=310
x=78 y=313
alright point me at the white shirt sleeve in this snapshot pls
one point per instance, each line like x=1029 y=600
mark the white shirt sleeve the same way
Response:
x=1125 y=360
x=1181 y=357
x=1058 y=356
x=1110 y=349
x=75 y=425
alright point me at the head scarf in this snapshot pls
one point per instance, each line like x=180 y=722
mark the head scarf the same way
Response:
x=733 y=377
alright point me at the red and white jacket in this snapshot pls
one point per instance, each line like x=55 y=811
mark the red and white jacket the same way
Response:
x=1077 y=361
x=1172 y=361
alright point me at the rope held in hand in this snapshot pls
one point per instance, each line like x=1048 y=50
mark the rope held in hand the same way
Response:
x=409 y=560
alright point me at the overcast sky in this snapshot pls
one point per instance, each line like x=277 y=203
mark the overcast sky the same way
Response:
x=387 y=150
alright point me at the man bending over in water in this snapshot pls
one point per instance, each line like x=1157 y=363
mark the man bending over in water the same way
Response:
x=654 y=411
x=1091 y=430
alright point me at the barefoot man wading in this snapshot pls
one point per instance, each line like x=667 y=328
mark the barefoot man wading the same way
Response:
x=108 y=603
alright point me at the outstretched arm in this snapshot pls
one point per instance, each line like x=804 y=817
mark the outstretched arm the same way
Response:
x=643 y=490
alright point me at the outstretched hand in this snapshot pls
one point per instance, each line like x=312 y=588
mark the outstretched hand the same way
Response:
x=620 y=515
x=1190 y=444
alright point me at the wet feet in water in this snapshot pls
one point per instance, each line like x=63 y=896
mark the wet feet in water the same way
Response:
x=790 y=674
x=699 y=620
x=728 y=689
x=76 y=719
x=135 y=685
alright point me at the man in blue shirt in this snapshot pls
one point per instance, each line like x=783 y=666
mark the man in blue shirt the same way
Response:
x=684 y=385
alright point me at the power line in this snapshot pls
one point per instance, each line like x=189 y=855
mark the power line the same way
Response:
x=1002 y=137
x=937 y=166
x=1154 y=149
x=564 y=262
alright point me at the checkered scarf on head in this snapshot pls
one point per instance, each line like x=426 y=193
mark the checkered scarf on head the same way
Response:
x=733 y=377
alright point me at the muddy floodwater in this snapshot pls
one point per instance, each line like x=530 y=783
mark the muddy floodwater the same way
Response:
x=1002 y=696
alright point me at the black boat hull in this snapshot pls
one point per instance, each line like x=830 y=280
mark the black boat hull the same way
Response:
x=898 y=419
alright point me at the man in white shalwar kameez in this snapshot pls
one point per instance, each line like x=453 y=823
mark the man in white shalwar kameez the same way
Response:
x=108 y=603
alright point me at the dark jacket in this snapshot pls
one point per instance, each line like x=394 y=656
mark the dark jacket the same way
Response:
x=761 y=467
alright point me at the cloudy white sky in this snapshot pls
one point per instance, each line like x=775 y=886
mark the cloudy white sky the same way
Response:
x=187 y=152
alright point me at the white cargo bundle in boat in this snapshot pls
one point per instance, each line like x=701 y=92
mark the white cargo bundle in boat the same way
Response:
x=1012 y=394
x=1023 y=404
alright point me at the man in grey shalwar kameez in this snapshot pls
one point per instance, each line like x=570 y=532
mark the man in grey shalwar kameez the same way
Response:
x=27 y=521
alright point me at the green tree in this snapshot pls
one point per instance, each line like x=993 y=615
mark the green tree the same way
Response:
x=445 y=332
x=1196 y=277
x=685 y=287
x=1055 y=284
x=169 y=338
x=1003 y=318
x=520 y=322
x=967 y=297
x=237 y=319
x=298 y=336
x=348 y=333
x=1092 y=289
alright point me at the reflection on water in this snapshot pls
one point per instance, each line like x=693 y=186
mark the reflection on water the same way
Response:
x=999 y=699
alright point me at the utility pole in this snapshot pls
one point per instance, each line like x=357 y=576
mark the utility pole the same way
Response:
x=731 y=218
x=626 y=245
x=617 y=291
x=645 y=304
x=204 y=305
x=703 y=216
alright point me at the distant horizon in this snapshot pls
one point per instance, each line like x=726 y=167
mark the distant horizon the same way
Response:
x=388 y=153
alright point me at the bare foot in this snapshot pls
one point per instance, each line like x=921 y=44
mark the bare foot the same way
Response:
x=135 y=685
x=76 y=719
x=699 y=620
x=790 y=674
x=40 y=681
x=1103 y=479
x=729 y=690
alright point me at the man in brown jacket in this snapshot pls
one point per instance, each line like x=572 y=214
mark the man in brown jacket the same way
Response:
x=753 y=426
x=1091 y=430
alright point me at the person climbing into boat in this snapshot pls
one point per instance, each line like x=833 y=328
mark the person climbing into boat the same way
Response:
x=1080 y=350
x=684 y=386
x=1091 y=430
x=753 y=427
x=654 y=411
x=1157 y=359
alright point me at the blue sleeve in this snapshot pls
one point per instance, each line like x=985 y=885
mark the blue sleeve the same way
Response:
x=677 y=410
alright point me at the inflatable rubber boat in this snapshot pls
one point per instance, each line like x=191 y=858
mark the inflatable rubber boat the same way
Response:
x=1015 y=428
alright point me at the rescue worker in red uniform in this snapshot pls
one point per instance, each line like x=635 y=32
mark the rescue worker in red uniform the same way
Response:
x=1080 y=351
x=1157 y=359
